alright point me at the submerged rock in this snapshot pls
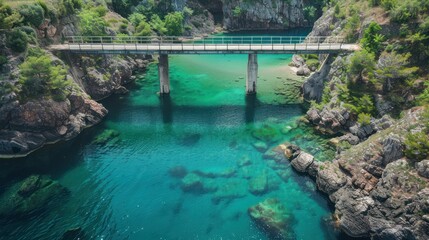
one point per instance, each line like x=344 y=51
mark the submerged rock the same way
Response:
x=274 y=218
x=259 y=185
x=32 y=194
x=229 y=190
x=192 y=183
x=260 y=146
x=266 y=133
x=178 y=171
x=106 y=136
x=244 y=161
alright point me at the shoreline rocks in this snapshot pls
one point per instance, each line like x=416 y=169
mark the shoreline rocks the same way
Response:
x=377 y=193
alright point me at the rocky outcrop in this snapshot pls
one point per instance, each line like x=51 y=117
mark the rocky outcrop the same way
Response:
x=38 y=122
x=377 y=193
x=263 y=14
x=100 y=77
x=274 y=218
x=423 y=168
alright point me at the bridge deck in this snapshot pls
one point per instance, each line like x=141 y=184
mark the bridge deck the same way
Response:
x=220 y=45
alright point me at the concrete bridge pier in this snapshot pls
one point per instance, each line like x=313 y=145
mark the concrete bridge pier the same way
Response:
x=164 y=75
x=252 y=73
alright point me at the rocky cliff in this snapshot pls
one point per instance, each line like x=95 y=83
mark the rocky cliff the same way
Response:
x=376 y=191
x=263 y=14
x=28 y=124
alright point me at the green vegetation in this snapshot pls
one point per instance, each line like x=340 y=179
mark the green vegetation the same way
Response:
x=237 y=11
x=17 y=40
x=39 y=76
x=417 y=146
x=33 y=14
x=362 y=65
x=392 y=67
x=364 y=119
x=372 y=40
x=91 y=23
x=174 y=24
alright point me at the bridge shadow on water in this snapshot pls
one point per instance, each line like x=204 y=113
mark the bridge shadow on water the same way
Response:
x=167 y=107
x=169 y=113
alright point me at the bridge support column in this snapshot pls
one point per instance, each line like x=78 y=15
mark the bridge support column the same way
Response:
x=252 y=73
x=164 y=76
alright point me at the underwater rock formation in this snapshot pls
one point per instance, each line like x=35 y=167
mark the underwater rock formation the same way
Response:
x=30 y=195
x=273 y=217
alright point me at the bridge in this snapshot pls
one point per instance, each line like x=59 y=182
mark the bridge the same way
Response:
x=164 y=45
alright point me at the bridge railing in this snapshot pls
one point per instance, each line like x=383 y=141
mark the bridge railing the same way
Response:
x=211 y=40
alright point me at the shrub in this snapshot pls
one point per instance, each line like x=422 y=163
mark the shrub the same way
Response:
x=32 y=14
x=3 y=61
x=310 y=13
x=237 y=11
x=17 y=40
x=423 y=98
x=123 y=28
x=364 y=119
x=417 y=146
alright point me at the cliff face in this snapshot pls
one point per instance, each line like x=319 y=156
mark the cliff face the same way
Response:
x=263 y=14
x=26 y=125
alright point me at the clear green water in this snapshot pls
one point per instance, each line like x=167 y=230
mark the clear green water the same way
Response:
x=123 y=190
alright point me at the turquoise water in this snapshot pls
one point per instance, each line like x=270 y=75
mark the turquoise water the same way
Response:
x=125 y=189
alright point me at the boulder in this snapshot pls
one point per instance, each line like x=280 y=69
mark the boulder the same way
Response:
x=302 y=162
x=192 y=183
x=303 y=71
x=423 y=168
x=392 y=149
x=15 y=143
x=259 y=185
x=230 y=190
x=273 y=218
x=330 y=178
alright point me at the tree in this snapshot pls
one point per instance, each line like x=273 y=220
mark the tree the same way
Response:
x=157 y=24
x=372 y=40
x=362 y=63
x=8 y=17
x=17 y=40
x=40 y=77
x=91 y=24
x=174 y=23
x=136 y=19
x=310 y=13
x=71 y=6
x=143 y=29
x=392 y=67
x=32 y=14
